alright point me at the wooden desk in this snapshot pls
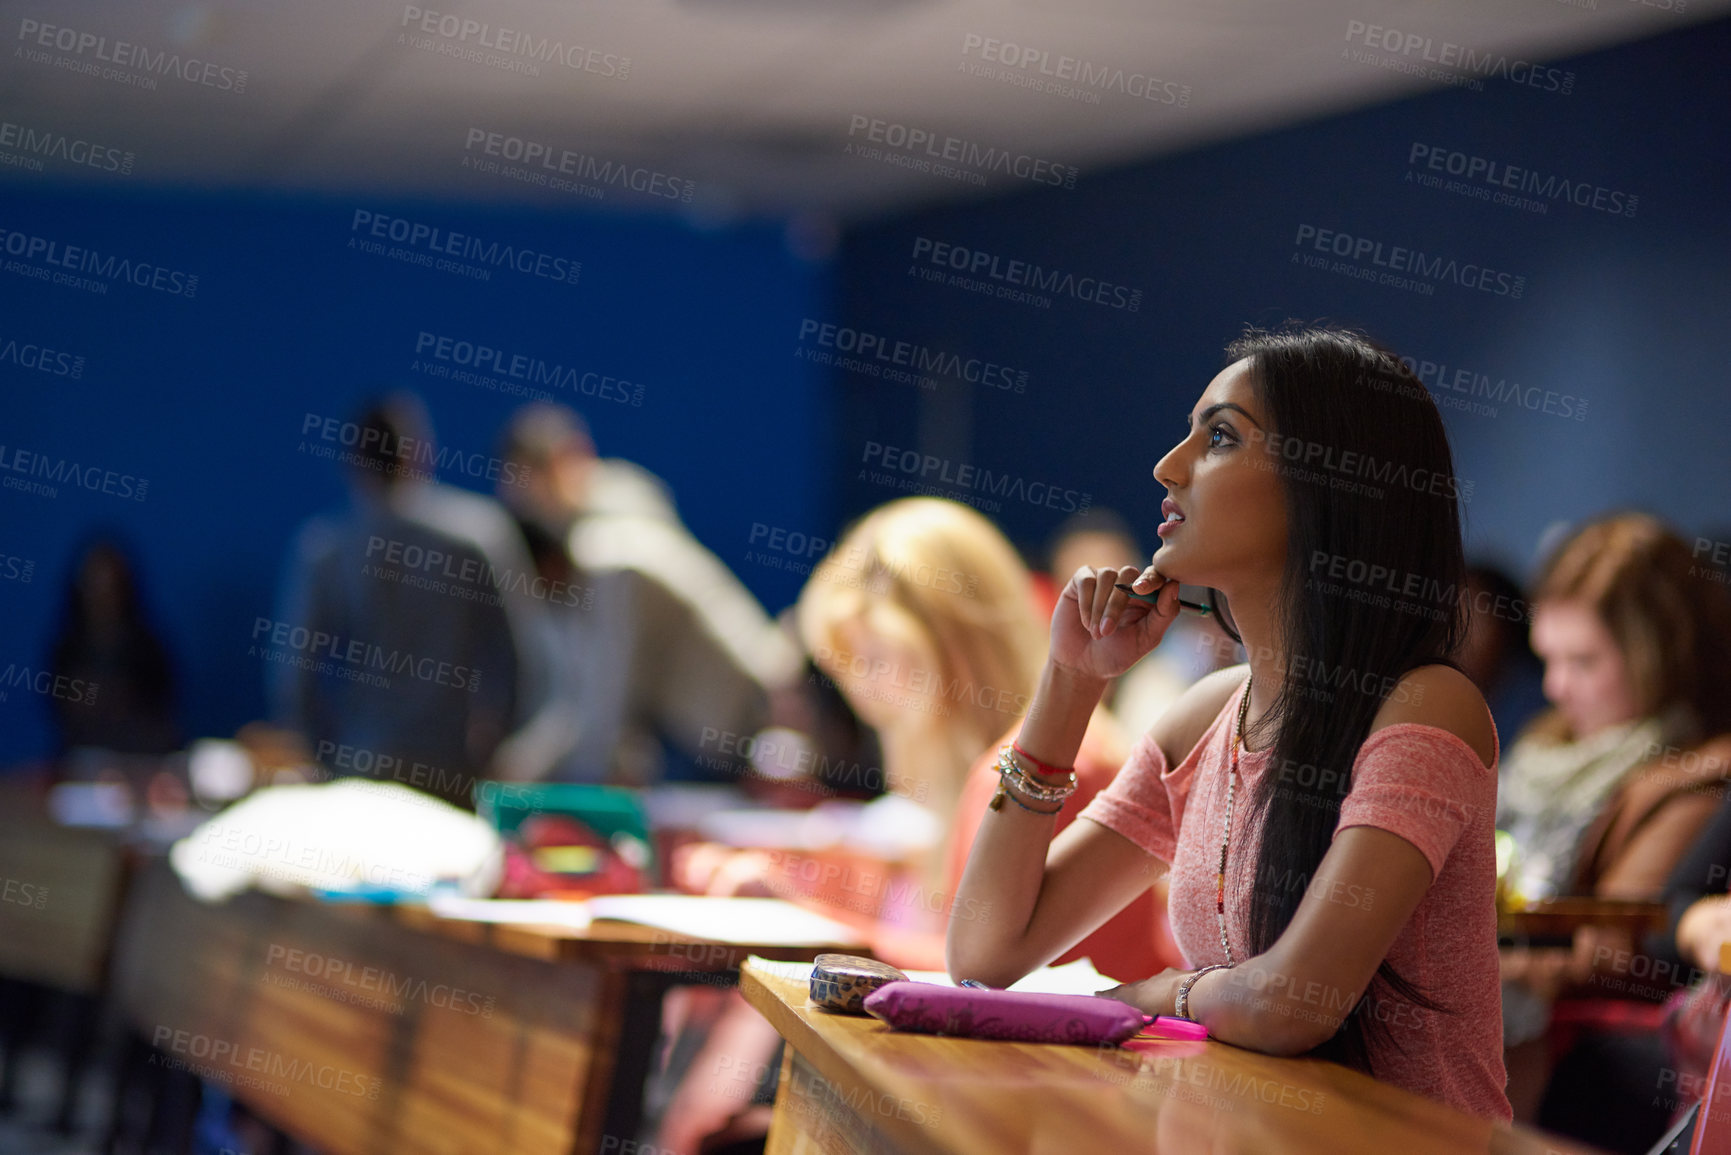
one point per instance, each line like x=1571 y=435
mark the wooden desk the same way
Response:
x=1561 y=917
x=850 y=1084
x=59 y=891
x=365 y=1030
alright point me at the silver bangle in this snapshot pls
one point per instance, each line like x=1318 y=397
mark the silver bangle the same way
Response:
x=1181 y=1004
x=1032 y=790
x=1011 y=771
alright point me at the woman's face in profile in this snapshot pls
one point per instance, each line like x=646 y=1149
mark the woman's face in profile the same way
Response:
x=1225 y=516
x=1586 y=675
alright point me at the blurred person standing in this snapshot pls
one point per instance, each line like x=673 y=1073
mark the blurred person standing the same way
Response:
x=426 y=598
x=566 y=479
x=664 y=641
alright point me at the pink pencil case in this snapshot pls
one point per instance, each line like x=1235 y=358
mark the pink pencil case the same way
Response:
x=1015 y=1016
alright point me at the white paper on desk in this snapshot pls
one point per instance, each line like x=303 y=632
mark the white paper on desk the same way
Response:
x=525 y=911
x=763 y=828
x=1073 y=978
x=744 y=920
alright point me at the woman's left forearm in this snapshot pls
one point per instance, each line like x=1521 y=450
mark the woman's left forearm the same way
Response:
x=1294 y=996
x=1262 y=1006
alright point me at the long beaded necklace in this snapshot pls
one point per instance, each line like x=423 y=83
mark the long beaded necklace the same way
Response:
x=1226 y=825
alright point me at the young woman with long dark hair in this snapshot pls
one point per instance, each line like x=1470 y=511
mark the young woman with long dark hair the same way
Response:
x=1326 y=810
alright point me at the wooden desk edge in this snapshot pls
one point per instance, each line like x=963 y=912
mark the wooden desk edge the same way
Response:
x=810 y=1044
x=1566 y=915
x=613 y=941
x=816 y=1050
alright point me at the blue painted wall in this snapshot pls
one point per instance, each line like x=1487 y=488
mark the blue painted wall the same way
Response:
x=1624 y=311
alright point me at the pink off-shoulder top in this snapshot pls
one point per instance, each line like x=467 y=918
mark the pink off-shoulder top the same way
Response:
x=1422 y=783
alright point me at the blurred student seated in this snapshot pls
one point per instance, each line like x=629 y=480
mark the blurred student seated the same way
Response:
x=1593 y=792
x=653 y=638
x=942 y=669
x=403 y=646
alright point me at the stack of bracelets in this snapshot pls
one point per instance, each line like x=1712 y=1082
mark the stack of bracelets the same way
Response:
x=1014 y=779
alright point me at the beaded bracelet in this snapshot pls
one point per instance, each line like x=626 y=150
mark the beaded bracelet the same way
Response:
x=1016 y=758
x=1013 y=780
x=1009 y=767
x=1005 y=792
x=1011 y=785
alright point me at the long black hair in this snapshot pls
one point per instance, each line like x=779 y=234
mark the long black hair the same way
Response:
x=1372 y=588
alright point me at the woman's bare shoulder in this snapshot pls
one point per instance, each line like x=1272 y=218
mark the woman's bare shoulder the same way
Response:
x=1178 y=730
x=1443 y=697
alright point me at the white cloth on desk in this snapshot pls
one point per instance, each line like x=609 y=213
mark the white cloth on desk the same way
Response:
x=346 y=835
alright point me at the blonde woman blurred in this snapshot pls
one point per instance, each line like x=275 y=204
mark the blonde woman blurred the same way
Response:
x=926 y=620
x=923 y=618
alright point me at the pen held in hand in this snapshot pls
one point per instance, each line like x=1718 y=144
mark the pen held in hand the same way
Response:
x=1198 y=607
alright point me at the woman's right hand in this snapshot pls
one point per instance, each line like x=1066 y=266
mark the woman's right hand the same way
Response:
x=1099 y=631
